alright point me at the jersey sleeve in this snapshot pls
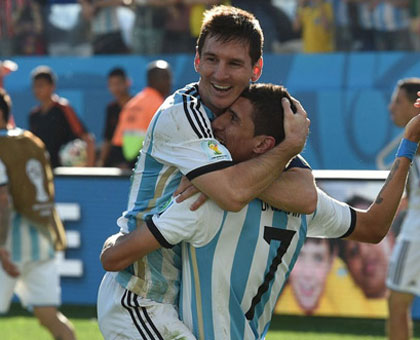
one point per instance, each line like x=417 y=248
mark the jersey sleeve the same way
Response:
x=178 y=223
x=3 y=174
x=181 y=135
x=331 y=219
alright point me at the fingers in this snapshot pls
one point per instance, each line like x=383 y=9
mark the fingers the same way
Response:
x=198 y=202
x=187 y=193
x=183 y=185
x=417 y=103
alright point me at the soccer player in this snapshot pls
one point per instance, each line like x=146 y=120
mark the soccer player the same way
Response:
x=30 y=230
x=54 y=121
x=180 y=141
x=404 y=267
x=234 y=264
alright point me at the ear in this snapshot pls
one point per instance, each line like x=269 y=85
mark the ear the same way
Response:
x=196 y=62
x=257 y=70
x=263 y=144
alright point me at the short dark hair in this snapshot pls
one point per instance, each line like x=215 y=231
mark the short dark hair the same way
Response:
x=117 y=72
x=411 y=86
x=228 y=23
x=5 y=104
x=44 y=72
x=268 y=114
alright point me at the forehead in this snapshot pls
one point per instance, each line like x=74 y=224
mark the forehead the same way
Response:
x=243 y=109
x=231 y=49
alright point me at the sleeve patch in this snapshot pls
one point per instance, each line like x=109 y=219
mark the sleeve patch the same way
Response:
x=214 y=150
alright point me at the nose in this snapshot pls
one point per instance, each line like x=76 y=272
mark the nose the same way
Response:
x=221 y=71
x=220 y=122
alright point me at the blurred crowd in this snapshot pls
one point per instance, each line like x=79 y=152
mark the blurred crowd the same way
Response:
x=147 y=27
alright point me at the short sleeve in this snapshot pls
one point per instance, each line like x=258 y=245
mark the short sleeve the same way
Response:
x=181 y=136
x=178 y=223
x=331 y=219
x=3 y=174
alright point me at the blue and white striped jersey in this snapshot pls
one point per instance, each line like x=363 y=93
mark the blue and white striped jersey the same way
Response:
x=236 y=264
x=385 y=17
x=25 y=242
x=179 y=141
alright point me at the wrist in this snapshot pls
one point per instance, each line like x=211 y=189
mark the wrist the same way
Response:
x=407 y=149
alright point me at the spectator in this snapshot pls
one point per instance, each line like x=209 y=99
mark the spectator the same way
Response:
x=415 y=23
x=137 y=114
x=119 y=87
x=107 y=37
x=54 y=121
x=148 y=29
x=264 y=11
x=345 y=23
x=315 y=19
x=29 y=29
x=30 y=230
x=389 y=21
x=178 y=38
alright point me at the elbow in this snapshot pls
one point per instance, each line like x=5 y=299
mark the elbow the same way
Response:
x=234 y=202
x=310 y=202
x=110 y=265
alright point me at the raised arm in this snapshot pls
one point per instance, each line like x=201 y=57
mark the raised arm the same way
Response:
x=373 y=224
x=233 y=187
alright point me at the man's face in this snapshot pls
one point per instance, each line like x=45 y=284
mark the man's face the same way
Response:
x=118 y=86
x=235 y=129
x=368 y=265
x=309 y=274
x=225 y=70
x=401 y=108
x=42 y=89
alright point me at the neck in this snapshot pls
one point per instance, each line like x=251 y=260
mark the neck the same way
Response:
x=123 y=99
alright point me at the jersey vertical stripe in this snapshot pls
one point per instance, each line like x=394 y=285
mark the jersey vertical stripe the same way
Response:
x=236 y=263
x=27 y=243
x=172 y=147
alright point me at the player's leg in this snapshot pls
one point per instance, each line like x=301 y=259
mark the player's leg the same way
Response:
x=123 y=315
x=39 y=290
x=403 y=280
x=399 y=324
x=58 y=325
x=7 y=286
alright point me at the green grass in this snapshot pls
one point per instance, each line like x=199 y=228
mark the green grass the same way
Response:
x=19 y=324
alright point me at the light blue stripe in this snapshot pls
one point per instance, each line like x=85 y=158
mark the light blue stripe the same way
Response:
x=34 y=235
x=193 y=304
x=205 y=258
x=246 y=245
x=17 y=239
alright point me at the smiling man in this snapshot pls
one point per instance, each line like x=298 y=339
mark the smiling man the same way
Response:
x=228 y=58
x=235 y=264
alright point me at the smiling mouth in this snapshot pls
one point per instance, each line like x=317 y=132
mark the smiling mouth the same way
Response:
x=221 y=88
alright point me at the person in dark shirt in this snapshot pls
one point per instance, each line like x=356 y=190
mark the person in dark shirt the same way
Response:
x=119 y=87
x=54 y=121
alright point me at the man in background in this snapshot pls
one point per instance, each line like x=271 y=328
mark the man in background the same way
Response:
x=54 y=121
x=30 y=229
x=119 y=87
x=136 y=115
x=404 y=269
